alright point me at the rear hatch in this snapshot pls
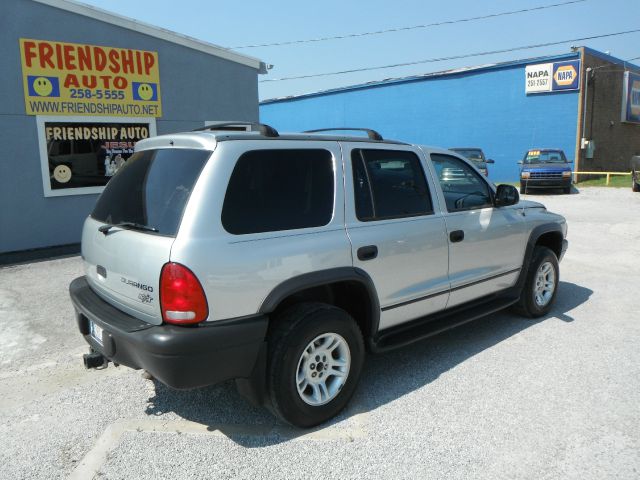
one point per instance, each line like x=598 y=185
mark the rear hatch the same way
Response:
x=128 y=237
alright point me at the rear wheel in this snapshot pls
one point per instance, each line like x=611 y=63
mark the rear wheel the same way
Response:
x=541 y=285
x=316 y=353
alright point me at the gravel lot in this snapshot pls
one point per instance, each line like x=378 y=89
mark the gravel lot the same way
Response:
x=502 y=397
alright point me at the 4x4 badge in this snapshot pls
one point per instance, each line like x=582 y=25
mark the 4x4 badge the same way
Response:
x=145 y=298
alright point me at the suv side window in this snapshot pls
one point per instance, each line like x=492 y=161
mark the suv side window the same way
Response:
x=389 y=184
x=461 y=184
x=273 y=190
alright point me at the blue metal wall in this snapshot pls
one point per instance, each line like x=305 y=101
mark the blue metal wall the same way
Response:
x=486 y=108
x=195 y=87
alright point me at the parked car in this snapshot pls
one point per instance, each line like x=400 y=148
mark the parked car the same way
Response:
x=476 y=155
x=635 y=173
x=278 y=260
x=545 y=168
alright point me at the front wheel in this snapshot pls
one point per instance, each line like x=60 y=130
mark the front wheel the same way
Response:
x=316 y=353
x=541 y=285
x=635 y=186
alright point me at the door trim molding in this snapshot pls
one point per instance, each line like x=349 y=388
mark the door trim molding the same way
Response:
x=459 y=287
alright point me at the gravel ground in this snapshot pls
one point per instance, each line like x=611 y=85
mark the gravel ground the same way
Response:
x=499 y=398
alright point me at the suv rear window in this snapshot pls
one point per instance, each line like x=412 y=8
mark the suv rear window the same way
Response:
x=152 y=189
x=273 y=190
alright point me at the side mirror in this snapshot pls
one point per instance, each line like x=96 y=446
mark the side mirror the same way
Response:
x=490 y=161
x=520 y=162
x=506 y=195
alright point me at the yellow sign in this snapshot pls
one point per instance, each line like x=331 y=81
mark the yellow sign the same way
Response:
x=78 y=79
x=565 y=75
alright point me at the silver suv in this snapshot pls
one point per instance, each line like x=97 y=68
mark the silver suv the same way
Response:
x=278 y=260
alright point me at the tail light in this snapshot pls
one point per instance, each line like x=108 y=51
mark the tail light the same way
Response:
x=182 y=299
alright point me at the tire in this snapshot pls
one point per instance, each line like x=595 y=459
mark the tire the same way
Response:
x=523 y=190
x=635 y=187
x=298 y=350
x=566 y=190
x=529 y=304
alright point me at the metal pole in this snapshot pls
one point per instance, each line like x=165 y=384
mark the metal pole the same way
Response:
x=584 y=106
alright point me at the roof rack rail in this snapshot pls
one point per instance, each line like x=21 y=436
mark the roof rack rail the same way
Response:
x=265 y=130
x=372 y=134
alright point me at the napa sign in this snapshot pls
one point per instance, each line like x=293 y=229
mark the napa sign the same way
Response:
x=552 y=77
x=631 y=98
x=78 y=79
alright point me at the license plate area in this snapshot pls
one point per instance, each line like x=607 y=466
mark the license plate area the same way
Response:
x=96 y=332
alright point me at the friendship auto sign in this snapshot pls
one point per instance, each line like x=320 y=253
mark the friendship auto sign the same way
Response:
x=631 y=98
x=552 y=77
x=78 y=79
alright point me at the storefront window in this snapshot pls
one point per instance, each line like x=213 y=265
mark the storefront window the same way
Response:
x=82 y=156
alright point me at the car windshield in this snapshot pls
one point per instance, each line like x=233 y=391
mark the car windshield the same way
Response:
x=474 y=154
x=549 y=156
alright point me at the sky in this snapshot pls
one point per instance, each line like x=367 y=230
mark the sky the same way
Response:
x=233 y=24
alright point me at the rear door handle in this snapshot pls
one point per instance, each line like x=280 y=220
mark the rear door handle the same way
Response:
x=367 y=253
x=456 y=236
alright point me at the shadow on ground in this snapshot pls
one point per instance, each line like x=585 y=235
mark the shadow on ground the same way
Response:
x=221 y=408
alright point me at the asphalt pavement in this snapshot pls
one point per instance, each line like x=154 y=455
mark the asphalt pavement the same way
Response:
x=500 y=398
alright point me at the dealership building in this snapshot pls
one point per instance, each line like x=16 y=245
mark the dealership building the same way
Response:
x=585 y=102
x=80 y=87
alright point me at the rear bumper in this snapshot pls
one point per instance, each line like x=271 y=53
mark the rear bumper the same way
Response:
x=180 y=357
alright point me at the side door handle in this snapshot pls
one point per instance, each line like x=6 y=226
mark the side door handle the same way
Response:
x=367 y=253
x=456 y=236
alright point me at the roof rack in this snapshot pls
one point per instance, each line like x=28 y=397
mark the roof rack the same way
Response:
x=372 y=134
x=265 y=130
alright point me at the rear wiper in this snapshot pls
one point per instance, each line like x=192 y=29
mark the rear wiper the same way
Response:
x=136 y=226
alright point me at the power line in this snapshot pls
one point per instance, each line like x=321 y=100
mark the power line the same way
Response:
x=402 y=29
x=453 y=57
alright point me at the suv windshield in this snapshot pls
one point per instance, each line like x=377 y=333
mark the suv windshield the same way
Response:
x=474 y=154
x=152 y=189
x=545 y=156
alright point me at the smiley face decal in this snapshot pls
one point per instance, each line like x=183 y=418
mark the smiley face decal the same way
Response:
x=42 y=86
x=62 y=173
x=145 y=92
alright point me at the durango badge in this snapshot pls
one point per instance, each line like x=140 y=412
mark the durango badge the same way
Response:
x=141 y=286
